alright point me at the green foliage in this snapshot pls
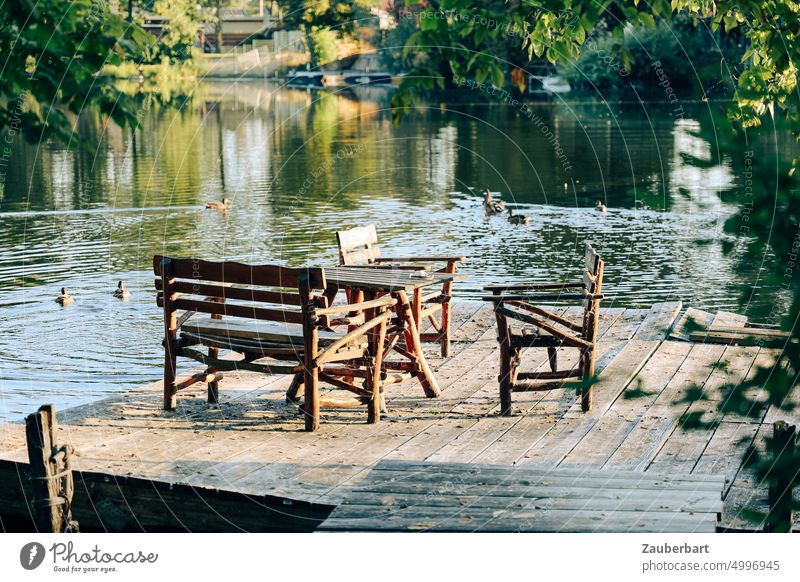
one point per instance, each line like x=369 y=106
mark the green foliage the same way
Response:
x=391 y=50
x=312 y=16
x=693 y=60
x=53 y=51
x=180 y=29
x=324 y=45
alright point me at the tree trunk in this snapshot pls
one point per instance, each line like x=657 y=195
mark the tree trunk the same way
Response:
x=312 y=57
x=218 y=28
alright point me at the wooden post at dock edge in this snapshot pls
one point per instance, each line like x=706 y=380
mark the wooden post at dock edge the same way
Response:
x=784 y=445
x=50 y=473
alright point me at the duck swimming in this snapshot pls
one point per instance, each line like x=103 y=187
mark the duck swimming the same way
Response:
x=65 y=298
x=600 y=207
x=121 y=292
x=492 y=206
x=518 y=218
x=219 y=205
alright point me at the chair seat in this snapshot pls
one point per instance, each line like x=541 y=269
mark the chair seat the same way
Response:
x=258 y=333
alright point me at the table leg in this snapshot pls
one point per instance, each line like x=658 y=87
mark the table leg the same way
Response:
x=406 y=315
x=417 y=308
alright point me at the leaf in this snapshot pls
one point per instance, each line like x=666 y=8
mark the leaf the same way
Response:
x=411 y=44
x=498 y=79
x=647 y=19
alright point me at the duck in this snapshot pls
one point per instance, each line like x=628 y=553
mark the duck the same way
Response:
x=65 y=298
x=492 y=206
x=600 y=207
x=518 y=218
x=121 y=292
x=219 y=205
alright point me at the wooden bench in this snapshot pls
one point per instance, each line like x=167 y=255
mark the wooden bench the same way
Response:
x=516 y=303
x=280 y=324
x=359 y=247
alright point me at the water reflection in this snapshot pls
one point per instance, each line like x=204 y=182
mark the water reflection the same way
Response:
x=300 y=165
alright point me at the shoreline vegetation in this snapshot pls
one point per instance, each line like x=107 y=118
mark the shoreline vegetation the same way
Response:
x=642 y=63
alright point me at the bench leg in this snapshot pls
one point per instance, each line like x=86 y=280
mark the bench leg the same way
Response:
x=311 y=400
x=170 y=363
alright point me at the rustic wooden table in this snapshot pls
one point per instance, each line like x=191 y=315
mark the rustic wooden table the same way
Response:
x=373 y=282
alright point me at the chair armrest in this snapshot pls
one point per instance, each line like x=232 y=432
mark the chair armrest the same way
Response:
x=522 y=286
x=418 y=259
x=385 y=301
x=541 y=297
x=389 y=266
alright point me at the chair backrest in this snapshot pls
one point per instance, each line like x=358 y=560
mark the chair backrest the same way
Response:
x=592 y=284
x=358 y=245
x=189 y=283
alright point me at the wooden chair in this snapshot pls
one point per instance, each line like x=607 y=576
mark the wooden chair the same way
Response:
x=358 y=247
x=515 y=303
x=280 y=324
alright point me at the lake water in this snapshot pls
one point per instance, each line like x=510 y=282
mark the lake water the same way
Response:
x=299 y=165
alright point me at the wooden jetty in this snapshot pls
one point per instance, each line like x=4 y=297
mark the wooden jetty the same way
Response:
x=247 y=464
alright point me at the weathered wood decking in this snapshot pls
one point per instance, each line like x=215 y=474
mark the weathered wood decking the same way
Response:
x=464 y=497
x=253 y=444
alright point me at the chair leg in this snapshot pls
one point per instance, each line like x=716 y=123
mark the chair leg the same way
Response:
x=293 y=392
x=311 y=401
x=513 y=363
x=445 y=330
x=552 y=355
x=587 y=371
x=505 y=365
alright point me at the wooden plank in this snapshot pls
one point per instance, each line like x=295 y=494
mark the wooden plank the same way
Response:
x=466 y=471
x=728 y=319
x=691 y=319
x=233 y=272
x=546 y=497
x=257 y=330
x=359 y=518
x=742 y=338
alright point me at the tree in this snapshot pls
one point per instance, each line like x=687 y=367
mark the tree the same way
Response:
x=53 y=53
x=314 y=15
x=180 y=28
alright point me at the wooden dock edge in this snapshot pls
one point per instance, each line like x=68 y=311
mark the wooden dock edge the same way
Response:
x=113 y=503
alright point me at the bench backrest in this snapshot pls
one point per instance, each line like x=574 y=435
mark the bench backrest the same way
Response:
x=197 y=285
x=358 y=245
